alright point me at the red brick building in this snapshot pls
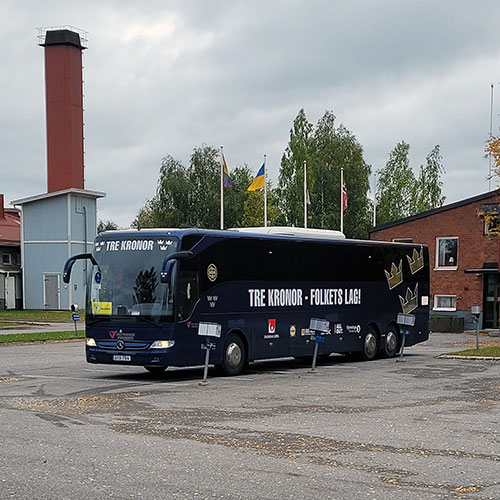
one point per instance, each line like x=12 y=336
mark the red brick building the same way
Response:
x=463 y=259
x=10 y=258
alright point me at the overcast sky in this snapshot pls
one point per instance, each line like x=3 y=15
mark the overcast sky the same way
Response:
x=162 y=77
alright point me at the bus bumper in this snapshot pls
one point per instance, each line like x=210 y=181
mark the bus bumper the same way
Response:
x=149 y=357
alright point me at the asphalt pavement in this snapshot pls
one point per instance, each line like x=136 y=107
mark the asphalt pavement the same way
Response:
x=421 y=428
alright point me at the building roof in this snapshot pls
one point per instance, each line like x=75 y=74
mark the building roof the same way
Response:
x=10 y=227
x=79 y=192
x=444 y=208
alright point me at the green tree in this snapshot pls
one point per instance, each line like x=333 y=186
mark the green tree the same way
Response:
x=335 y=148
x=400 y=194
x=254 y=208
x=106 y=226
x=326 y=148
x=291 y=176
x=169 y=206
x=172 y=194
x=396 y=186
x=428 y=186
x=190 y=197
x=236 y=196
x=146 y=215
x=204 y=188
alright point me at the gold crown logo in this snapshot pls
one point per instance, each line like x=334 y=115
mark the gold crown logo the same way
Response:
x=416 y=261
x=396 y=275
x=410 y=302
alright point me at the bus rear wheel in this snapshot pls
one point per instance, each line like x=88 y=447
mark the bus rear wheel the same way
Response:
x=391 y=343
x=370 y=346
x=156 y=370
x=233 y=357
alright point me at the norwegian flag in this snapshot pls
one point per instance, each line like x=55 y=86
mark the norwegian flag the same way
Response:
x=344 y=196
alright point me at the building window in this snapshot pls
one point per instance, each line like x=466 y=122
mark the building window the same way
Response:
x=445 y=302
x=6 y=258
x=402 y=240
x=447 y=253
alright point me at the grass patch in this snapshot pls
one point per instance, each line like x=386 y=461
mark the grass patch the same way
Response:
x=38 y=315
x=39 y=337
x=490 y=351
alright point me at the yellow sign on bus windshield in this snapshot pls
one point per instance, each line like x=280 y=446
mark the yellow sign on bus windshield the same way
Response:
x=102 y=307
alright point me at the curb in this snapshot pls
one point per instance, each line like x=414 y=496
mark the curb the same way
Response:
x=474 y=358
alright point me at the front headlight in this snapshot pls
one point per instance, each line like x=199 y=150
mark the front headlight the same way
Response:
x=91 y=342
x=162 y=344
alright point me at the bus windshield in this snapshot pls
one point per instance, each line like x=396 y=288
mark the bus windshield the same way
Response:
x=126 y=279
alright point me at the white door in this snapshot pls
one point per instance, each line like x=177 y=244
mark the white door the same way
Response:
x=10 y=292
x=51 y=291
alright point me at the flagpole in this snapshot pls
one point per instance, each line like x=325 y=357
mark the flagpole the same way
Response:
x=341 y=200
x=305 y=194
x=375 y=199
x=265 y=192
x=221 y=187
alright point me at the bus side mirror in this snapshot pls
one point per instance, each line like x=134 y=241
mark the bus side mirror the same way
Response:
x=168 y=264
x=68 y=265
x=166 y=271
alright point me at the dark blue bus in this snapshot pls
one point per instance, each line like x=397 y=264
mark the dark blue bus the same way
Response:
x=150 y=289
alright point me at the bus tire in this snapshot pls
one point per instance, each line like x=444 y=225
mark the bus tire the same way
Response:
x=370 y=346
x=233 y=356
x=155 y=370
x=390 y=346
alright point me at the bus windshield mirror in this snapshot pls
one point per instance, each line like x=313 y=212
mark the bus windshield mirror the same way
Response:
x=166 y=270
x=69 y=264
x=168 y=263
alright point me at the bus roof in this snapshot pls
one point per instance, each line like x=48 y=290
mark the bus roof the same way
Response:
x=294 y=232
x=300 y=232
x=275 y=232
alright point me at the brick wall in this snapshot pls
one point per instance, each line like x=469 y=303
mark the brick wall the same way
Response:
x=474 y=248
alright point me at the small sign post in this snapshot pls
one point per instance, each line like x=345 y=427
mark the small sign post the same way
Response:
x=476 y=312
x=404 y=321
x=318 y=328
x=208 y=330
x=76 y=317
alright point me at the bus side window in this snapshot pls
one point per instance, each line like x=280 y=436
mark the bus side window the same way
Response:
x=188 y=292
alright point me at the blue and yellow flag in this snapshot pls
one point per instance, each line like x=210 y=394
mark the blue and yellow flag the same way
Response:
x=258 y=182
x=227 y=180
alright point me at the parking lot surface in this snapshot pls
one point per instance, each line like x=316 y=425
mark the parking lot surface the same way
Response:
x=422 y=428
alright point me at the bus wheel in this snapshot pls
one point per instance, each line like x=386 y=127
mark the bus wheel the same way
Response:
x=370 y=346
x=391 y=344
x=234 y=356
x=156 y=370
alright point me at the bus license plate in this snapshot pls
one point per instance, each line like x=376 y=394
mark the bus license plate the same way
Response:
x=121 y=357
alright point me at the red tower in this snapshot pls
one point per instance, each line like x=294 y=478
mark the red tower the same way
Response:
x=64 y=109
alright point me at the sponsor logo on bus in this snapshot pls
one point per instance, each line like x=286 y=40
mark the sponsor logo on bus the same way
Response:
x=271 y=326
x=337 y=329
x=212 y=272
x=293 y=330
x=353 y=328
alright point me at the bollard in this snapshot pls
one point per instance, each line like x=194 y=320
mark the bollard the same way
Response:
x=405 y=333
x=315 y=356
x=207 y=347
x=208 y=330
